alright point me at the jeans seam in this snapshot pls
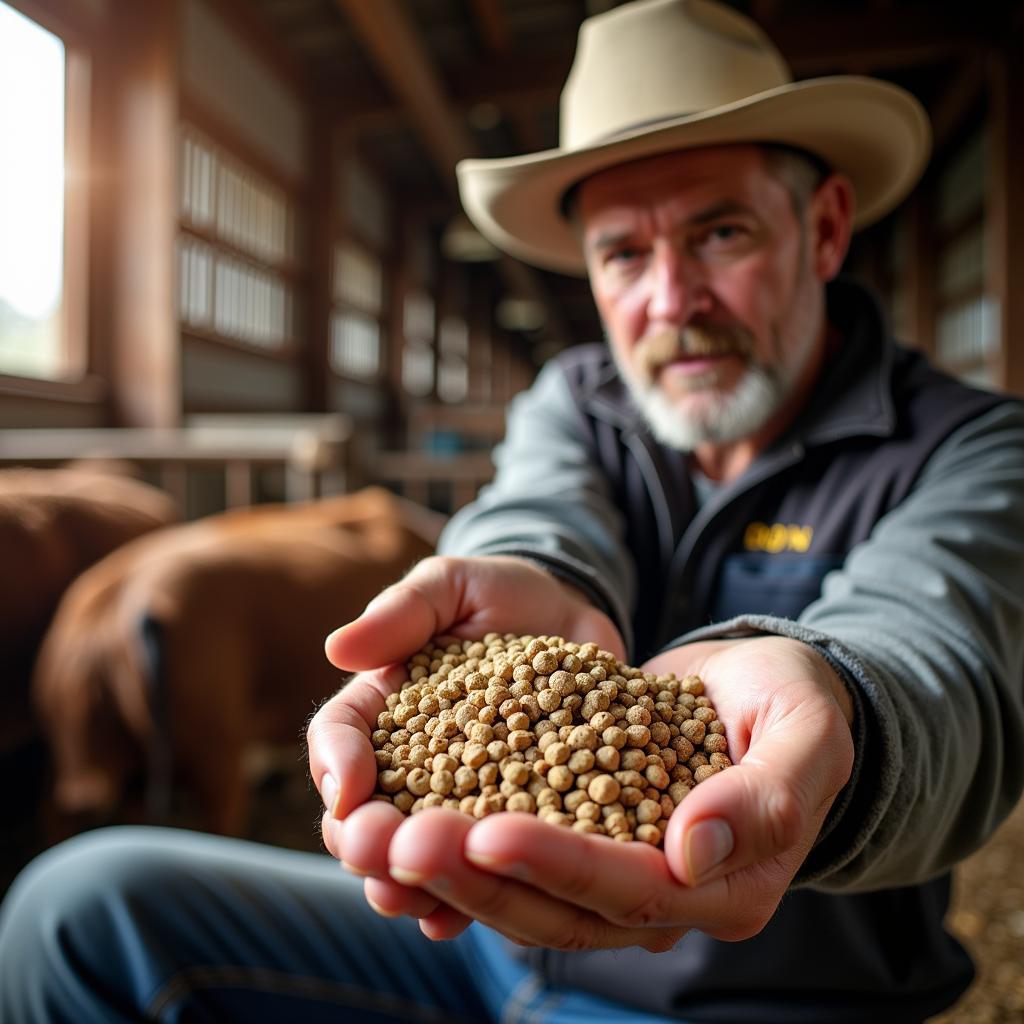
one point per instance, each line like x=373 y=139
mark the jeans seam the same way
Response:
x=550 y=1002
x=192 y=979
x=519 y=999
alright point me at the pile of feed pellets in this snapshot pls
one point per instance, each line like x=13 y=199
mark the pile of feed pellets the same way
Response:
x=549 y=727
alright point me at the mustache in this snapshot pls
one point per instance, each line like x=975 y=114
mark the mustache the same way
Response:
x=691 y=341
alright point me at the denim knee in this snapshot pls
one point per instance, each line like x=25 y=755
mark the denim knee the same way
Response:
x=63 y=925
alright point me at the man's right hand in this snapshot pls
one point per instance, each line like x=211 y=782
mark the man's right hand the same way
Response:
x=462 y=597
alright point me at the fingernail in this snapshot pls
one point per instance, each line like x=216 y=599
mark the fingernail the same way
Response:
x=335 y=636
x=708 y=843
x=377 y=908
x=331 y=794
x=406 y=877
x=510 y=869
x=416 y=879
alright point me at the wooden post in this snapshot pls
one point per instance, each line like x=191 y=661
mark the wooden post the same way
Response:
x=481 y=337
x=321 y=217
x=398 y=280
x=144 y=320
x=920 y=269
x=1006 y=211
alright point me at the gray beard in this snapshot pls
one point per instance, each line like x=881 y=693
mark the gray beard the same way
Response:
x=729 y=418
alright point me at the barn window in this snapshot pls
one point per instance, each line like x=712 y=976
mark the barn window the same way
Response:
x=44 y=91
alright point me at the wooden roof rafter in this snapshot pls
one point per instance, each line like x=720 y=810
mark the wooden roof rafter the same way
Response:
x=493 y=26
x=400 y=57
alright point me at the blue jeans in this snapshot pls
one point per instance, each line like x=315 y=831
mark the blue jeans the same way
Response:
x=146 y=924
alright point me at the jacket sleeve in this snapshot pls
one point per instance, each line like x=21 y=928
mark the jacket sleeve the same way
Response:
x=925 y=620
x=550 y=503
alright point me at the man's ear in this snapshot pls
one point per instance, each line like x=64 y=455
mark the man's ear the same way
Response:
x=830 y=218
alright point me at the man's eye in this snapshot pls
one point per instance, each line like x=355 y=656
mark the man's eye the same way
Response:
x=623 y=255
x=722 y=234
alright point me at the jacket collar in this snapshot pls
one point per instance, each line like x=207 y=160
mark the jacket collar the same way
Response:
x=852 y=398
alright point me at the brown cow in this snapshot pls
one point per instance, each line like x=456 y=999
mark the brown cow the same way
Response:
x=54 y=523
x=235 y=609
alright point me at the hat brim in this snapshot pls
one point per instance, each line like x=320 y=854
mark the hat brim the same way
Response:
x=874 y=132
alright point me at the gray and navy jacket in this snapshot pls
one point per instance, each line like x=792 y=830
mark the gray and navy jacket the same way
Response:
x=886 y=528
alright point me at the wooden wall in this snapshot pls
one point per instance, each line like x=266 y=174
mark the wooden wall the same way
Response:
x=243 y=254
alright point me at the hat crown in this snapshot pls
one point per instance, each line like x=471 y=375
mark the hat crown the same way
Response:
x=659 y=59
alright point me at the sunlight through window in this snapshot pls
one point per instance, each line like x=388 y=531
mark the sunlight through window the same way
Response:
x=32 y=76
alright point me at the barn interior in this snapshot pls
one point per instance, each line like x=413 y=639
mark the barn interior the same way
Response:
x=235 y=275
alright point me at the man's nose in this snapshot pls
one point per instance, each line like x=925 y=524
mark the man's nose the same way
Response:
x=679 y=289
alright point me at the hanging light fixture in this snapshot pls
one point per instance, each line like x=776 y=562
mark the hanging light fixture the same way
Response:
x=461 y=242
x=517 y=313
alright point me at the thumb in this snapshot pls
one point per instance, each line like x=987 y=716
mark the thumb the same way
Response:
x=768 y=808
x=396 y=623
x=402 y=618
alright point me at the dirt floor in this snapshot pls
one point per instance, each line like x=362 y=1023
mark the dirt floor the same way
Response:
x=988 y=917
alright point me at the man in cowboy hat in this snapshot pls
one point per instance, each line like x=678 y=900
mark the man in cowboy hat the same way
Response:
x=751 y=481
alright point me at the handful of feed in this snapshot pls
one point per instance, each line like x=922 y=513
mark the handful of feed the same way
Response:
x=557 y=729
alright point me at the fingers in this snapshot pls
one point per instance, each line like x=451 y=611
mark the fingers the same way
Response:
x=341 y=758
x=617 y=880
x=389 y=899
x=444 y=923
x=426 y=851
x=629 y=884
x=626 y=887
x=367 y=852
x=366 y=835
x=331 y=834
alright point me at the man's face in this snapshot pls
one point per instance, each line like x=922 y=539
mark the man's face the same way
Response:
x=703 y=276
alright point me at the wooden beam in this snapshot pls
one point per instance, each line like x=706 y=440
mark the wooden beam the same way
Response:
x=822 y=43
x=908 y=36
x=818 y=43
x=1005 y=210
x=75 y=22
x=492 y=24
x=391 y=41
x=402 y=60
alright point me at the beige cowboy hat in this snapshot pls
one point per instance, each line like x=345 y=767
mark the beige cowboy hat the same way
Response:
x=660 y=75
